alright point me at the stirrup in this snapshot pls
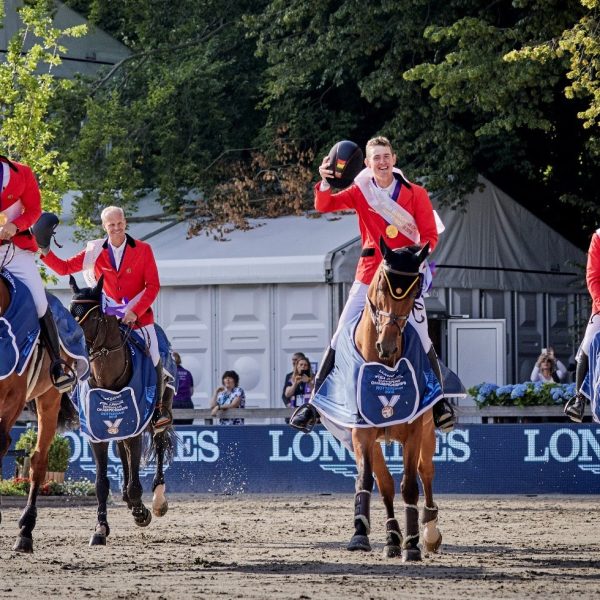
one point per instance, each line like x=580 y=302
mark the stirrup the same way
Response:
x=66 y=379
x=575 y=408
x=305 y=417
x=445 y=419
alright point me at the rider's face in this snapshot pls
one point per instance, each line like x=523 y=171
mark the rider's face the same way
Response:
x=114 y=224
x=381 y=160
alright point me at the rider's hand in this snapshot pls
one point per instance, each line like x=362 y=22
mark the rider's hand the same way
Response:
x=7 y=231
x=129 y=318
x=324 y=172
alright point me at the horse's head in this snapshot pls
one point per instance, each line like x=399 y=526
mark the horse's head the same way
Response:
x=392 y=294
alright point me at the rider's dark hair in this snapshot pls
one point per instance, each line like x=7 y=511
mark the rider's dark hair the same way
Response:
x=233 y=375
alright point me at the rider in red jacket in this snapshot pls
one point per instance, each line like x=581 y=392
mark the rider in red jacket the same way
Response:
x=388 y=206
x=20 y=208
x=575 y=407
x=130 y=280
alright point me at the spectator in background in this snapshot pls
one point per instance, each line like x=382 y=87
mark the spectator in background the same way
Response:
x=548 y=369
x=185 y=390
x=300 y=385
x=295 y=358
x=227 y=396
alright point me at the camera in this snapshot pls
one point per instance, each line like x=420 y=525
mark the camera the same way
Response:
x=305 y=372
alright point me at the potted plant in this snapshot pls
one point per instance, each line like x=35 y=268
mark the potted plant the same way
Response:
x=58 y=455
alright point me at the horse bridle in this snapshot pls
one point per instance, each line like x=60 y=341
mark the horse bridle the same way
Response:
x=101 y=350
x=399 y=321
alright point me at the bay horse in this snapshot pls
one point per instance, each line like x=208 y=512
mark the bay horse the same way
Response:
x=378 y=338
x=53 y=408
x=111 y=366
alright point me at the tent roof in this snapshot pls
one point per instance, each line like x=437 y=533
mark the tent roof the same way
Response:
x=498 y=244
x=292 y=249
x=84 y=56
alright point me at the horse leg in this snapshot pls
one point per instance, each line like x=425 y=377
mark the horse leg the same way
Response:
x=159 y=501
x=363 y=441
x=410 y=494
x=5 y=440
x=141 y=515
x=385 y=483
x=102 y=530
x=48 y=405
x=124 y=462
x=432 y=537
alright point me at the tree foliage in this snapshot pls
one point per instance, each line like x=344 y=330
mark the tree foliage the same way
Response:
x=27 y=90
x=213 y=91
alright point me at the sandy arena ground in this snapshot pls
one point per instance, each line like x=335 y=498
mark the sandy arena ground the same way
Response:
x=255 y=546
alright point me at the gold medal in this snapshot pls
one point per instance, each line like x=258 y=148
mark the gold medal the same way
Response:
x=387 y=412
x=391 y=231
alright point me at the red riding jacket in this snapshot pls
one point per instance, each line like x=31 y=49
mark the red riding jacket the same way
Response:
x=372 y=226
x=592 y=273
x=137 y=273
x=22 y=186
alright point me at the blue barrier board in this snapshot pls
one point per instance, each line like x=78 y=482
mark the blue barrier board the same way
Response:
x=477 y=459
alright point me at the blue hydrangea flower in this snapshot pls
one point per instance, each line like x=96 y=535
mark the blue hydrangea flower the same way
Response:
x=518 y=391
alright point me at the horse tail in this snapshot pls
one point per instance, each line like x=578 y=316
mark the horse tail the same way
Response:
x=68 y=418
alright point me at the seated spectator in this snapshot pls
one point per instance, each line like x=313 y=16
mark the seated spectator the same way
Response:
x=185 y=390
x=300 y=384
x=545 y=369
x=227 y=396
x=295 y=358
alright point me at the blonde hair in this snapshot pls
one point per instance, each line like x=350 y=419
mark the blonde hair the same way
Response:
x=379 y=141
x=110 y=209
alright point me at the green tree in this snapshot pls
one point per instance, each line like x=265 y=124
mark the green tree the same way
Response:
x=27 y=90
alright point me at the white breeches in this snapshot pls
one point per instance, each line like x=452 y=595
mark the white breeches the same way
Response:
x=147 y=334
x=357 y=299
x=591 y=330
x=22 y=266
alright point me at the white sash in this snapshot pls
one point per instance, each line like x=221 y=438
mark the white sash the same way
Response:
x=93 y=250
x=389 y=209
x=14 y=211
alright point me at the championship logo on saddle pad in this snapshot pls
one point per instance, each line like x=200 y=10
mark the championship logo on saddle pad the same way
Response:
x=107 y=415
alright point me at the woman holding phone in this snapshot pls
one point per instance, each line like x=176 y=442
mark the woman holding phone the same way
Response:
x=300 y=383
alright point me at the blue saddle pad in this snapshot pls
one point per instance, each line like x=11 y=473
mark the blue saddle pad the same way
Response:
x=591 y=384
x=166 y=355
x=19 y=327
x=107 y=415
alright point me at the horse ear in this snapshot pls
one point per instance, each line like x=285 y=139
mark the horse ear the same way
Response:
x=424 y=253
x=98 y=289
x=383 y=247
x=73 y=285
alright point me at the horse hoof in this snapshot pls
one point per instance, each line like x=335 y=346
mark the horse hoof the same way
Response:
x=359 y=542
x=24 y=545
x=98 y=539
x=145 y=519
x=392 y=551
x=432 y=547
x=411 y=555
x=160 y=506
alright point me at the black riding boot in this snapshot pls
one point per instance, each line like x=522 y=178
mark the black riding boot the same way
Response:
x=443 y=413
x=305 y=417
x=61 y=374
x=575 y=407
x=163 y=416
